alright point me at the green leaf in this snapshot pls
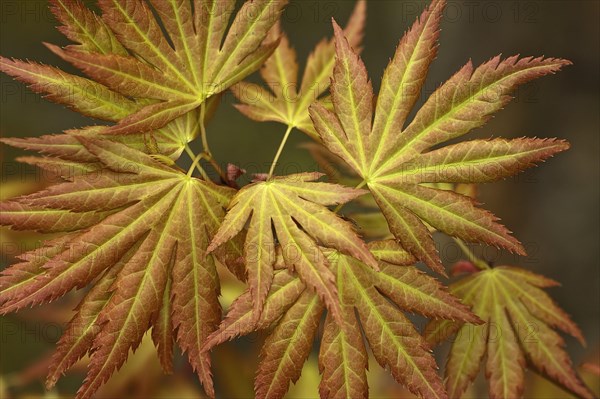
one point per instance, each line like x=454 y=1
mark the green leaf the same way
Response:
x=398 y=163
x=181 y=76
x=150 y=221
x=151 y=83
x=288 y=346
x=519 y=318
x=286 y=101
x=376 y=298
x=294 y=208
x=82 y=95
x=168 y=141
x=343 y=358
x=83 y=26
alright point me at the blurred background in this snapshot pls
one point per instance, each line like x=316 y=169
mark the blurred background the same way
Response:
x=553 y=210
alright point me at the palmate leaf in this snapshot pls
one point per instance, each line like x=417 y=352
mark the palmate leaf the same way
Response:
x=519 y=318
x=139 y=80
x=286 y=100
x=92 y=98
x=142 y=228
x=195 y=58
x=294 y=208
x=396 y=344
x=393 y=160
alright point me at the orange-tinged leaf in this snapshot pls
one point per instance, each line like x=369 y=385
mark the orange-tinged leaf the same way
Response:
x=321 y=61
x=480 y=161
x=83 y=327
x=545 y=349
x=466 y=101
x=181 y=76
x=240 y=319
x=145 y=236
x=377 y=299
x=155 y=223
x=287 y=101
x=285 y=204
x=124 y=74
x=83 y=26
x=505 y=362
x=397 y=163
x=404 y=77
x=469 y=346
x=394 y=341
x=389 y=251
x=25 y=217
x=139 y=290
x=60 y=167
x=162 y=330
x=287 y=348
x=82 y=95
x=196 y=310
x=518 y=331
x=154 y=82
x=539 y=304
x=417 y=292
x=343 y=358
x=168 y=141
x=31 y=265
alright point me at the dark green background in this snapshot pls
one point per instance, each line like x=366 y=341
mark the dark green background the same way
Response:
x=553 y=210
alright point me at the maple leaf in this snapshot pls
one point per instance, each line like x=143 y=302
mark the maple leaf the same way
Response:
x=294 y=207
x=394 y=161
x=205 y=57
x=297 y=311
x=140 y=80
x=286 y=100
x=93 y=99
x=142 y=228
x=519 y=318
x=65 y=153
x=144 y=235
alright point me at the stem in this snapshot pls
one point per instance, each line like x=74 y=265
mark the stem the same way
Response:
x=209 y=158
x=190 y=152
x=280 y=150
x=482 y=265
x=340 y=206
x=196 y=163
x=207 y=152
x=203 y=129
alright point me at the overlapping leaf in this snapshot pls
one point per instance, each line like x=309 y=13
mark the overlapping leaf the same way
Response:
x=293 y=210
x=343 y=358
x=286 y=100
x=394 y=161
x=93 y=99
x=144 y=78
x=66 y=155
x=139 y=230
x=196 y=57
x=142 y=229
x=519 y=318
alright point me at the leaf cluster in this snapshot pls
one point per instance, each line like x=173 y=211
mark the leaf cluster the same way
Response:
x=147 y=237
